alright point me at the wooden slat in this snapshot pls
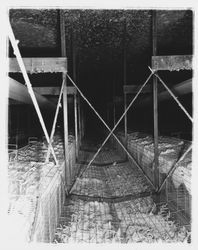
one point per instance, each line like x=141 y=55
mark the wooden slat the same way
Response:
x=40 y=65
x=54 y=90
x=172 y=63
x=132 y=89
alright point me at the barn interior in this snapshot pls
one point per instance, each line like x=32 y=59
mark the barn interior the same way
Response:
x=100 y=125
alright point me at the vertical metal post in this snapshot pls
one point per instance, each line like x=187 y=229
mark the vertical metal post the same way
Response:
x=155 y=103
x=79 y=120
x=125 y=81
x=114 y=112
x=55 y=120
x=83 y=123
x=65 y=111
x=125 y=120
x=75 y=96
x=108 y=120
x=17 y=131
x=114 y=109
x=124 y=54
x=76 y=124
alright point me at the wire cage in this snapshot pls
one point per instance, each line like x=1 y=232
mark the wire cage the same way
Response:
x=135 y=220
x=176 y=191
x=114 y=203
x=37 y=189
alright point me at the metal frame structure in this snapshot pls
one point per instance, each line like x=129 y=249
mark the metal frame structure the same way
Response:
x=170 y=63
x=182 y=108
x=53 y=65
x=112 y=130
x=29 y=86
x=70 y=91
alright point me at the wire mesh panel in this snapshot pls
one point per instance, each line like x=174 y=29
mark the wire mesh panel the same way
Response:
x=123 y=222
x=37 y=190
x=49 y=209
x=114 y=203
x=177 y=188
x=112 y=181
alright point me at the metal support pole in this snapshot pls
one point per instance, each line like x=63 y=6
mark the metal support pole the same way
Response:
x=125 y=81
x=114 y=113
x=83 y=123
x=55 y=120
x=65 y=111
x=125 y=120
x=79 y=120
x=17 y=131
x=114 y=108
x=124 y=54
x=29 y=86
x=155 y=105
x=66 y=144
x=125 y=117
x=76 y=124
x=108 y=115
x=75 y=96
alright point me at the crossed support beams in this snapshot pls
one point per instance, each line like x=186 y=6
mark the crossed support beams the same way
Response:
x=42 y=65
x=29 y=86
x=185 y=87
x=170 y=63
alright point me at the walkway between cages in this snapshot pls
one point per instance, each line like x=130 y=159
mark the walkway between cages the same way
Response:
x=112 y=202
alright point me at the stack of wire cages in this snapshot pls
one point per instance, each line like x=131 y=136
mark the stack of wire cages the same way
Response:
x=114 y=203
x=37 y=189
x=176 y=189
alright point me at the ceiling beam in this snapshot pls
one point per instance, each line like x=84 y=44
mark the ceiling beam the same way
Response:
x=172 y=63
x=19 y=92
x=54 y=90
x=178 y=90
x=39 y=65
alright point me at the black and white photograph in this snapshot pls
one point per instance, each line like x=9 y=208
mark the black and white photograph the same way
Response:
x=100 y=125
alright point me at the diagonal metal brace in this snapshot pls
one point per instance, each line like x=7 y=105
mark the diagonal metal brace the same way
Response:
x=114 y=127
x=111 y=131
x=55 y=119
x=174 y=167
x=174 y=97
x=29 y=86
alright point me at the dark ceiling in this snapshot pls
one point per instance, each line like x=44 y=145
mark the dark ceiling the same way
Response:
x=97 y=37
